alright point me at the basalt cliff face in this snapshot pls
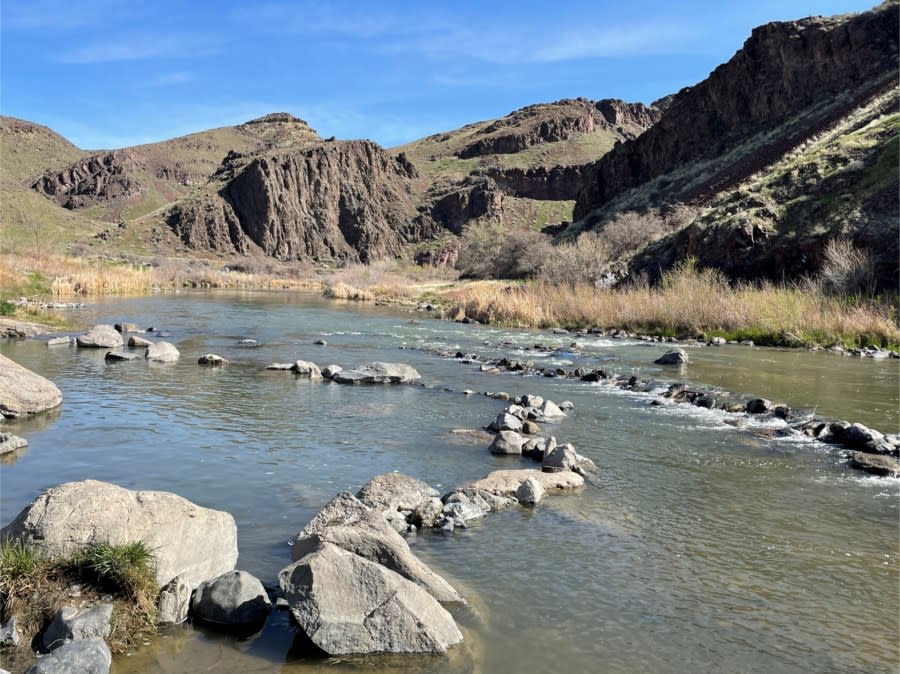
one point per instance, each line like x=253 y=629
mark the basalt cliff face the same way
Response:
x=784 y=147
x=333 y=200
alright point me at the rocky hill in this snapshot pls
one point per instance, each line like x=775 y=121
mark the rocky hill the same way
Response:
x=790 y=143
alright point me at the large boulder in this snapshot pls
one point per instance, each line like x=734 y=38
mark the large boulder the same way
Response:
x=71 y=623
x=507 y=442
x=101 y=337
x=561 y=458
x=22 y=392
x=85 y=656
x=346 y=604
x=185 y=539
x=378 y=373
x=507 y=482
x=163 y=352
x=236 y=599
x=351 y=525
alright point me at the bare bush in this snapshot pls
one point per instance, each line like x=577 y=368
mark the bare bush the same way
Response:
x=630 y=231
x=847 y=270
x=584 y=260
x=489 y=250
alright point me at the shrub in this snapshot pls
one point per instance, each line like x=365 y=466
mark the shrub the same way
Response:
x=584 y=260
x=847 y=270
x=7 y=308
x=489 y=250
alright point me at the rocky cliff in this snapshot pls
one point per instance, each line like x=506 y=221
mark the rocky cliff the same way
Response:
x=100 y=177
x=818 y=68
x=346 y=200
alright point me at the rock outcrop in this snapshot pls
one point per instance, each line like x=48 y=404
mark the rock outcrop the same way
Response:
x=22 y=392
x=100 y=177
x=186 y=539
x=557 y=183
x=782 y=68
x=335 y=200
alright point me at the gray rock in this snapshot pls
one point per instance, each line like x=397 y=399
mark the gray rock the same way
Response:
x=529 y=400
x=673 y=357
x=758 y=406
x=127 y=327
x=718 y=341
x=186 y=539
x=428 y=513
x=236 y=598
x=174 y=602
x=562 y=458
x=101 y=336
x=59 y=341
x=530 y=427
x=280 y=366
x=351 y=525
x=486 y=500
x=22 y=392
x=72 y=623
x=507 y=442
x=11 y=443
x=507 y=422
x=530 y=492
x=540 y=448
x=212 y=360
x=162 y=352
x=118 y=356
x=304 y=368
x=517 y=411
x=857 y=435
x=135 y=341
x=378 y=373
x=550 y=410
x=9 y=633
x=566 y=405
x=346 y=604
x=320 y=342
x=84 y=656
x=330 y=370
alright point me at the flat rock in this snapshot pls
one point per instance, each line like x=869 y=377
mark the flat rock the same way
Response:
x=280 y=366
x=877 y=464
x=378 y=373
x=59 y=341
x=101 y=336
x=186 y=539
x=395 y=491
x=163 y=352
x=118 y=356
x=235 y=598
x=11 y=443
x=84 y=656
x=346 y=604
x=22 y=392
x=507 y=482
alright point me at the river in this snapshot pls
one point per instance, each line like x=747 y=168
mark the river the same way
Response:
x=701 y=547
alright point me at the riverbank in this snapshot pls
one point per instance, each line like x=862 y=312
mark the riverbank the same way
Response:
x=690 y=302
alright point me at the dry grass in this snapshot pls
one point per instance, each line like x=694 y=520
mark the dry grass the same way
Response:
x=385 y=280
x=689 y=302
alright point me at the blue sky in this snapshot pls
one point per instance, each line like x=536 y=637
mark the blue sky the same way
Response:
x=110 y=73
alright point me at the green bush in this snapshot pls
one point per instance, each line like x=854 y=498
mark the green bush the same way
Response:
x=7 y=308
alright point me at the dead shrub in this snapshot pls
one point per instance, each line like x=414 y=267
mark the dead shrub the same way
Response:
x=847 y=270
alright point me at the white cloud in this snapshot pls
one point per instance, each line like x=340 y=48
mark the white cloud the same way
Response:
x=138 y=48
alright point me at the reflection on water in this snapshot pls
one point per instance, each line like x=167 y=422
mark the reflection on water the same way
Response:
x=702 y=546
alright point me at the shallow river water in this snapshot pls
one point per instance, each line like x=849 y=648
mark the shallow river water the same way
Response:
x=702 y=547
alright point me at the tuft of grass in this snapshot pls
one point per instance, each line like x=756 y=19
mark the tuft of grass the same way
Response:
x=34 y=589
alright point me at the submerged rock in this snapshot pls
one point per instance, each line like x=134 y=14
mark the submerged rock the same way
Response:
x=507 y=482
x=212 y=360
x=877 y=464
x=11 y=443
x=184 y=538
x=22 y=392
x=85 y=656
x=304 y=368
x=347 y=605
x=117 y=356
